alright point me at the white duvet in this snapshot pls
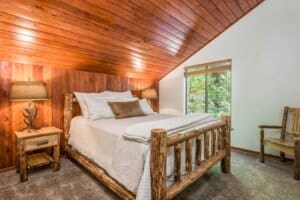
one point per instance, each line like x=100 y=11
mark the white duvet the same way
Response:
x=104 y=141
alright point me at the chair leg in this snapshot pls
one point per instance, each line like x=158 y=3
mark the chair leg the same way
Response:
x=262 y=146
x=282 y=157
x=297 y=159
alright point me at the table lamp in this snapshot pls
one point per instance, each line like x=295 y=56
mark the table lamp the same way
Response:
x=28 y=91
x=149 y=94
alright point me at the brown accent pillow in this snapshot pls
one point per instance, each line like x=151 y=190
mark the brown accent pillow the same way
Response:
x=126 y=109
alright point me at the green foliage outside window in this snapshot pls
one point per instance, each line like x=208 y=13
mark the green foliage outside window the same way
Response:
x=209 y=93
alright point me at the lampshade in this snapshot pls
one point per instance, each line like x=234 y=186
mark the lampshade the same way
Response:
x=28 y=90
x=149 y=94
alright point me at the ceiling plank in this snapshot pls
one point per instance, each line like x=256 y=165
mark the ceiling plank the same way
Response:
x=244 y=5
x=233 y=5
x=222 y=6
x=139 y=39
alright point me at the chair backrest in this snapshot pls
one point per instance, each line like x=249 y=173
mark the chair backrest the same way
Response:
x=290 y=121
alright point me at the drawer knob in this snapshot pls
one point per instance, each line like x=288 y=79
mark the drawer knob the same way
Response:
x=42 y=142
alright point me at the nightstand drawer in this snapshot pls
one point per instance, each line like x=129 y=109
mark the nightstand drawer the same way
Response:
x=40 y=142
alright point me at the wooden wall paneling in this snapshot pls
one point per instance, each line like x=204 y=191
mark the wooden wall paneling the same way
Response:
x=100 y=82
x=114 y=83
x=47 y=105
x=37 y=75
x=71 y=78
x=6 y=136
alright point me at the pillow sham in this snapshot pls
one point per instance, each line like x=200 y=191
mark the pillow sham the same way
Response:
x=98 y=107
x=126 y=94
x=126 y=109
x=146 y=107
x=80 y=96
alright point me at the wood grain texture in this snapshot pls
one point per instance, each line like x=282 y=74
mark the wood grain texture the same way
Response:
x=226 y=164
x=158 y=164
x=177 y=162
x=100 y=174
x=138 y=39
x=188 y=156
x=198 y=151
x=59 y=81
x=176 y=188
x=297 y=159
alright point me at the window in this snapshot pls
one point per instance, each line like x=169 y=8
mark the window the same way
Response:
x=208 y=88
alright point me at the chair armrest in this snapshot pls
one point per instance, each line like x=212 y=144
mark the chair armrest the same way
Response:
x=294 y=134
x=270 y=126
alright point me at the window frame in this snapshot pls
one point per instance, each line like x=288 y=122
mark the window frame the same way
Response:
x=216 y=65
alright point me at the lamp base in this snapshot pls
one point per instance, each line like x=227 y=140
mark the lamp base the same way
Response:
x=29 y=114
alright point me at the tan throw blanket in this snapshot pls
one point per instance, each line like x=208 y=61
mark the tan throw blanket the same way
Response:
x=141 y=132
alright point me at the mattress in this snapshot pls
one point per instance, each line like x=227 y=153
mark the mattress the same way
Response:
x=103 y=143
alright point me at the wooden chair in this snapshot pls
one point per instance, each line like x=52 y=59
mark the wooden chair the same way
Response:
x=289 y=141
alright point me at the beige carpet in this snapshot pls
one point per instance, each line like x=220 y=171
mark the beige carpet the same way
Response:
x=249 y=180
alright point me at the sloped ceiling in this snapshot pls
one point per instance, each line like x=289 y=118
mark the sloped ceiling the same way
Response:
x=134 y=38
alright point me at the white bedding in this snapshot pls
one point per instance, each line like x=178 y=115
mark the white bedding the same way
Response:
x=125 y=160
x=102 y=141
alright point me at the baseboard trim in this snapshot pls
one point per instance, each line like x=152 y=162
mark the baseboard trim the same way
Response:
x=256 y=153
x=7 y=169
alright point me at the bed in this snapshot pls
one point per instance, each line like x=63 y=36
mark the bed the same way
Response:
x=158 y=169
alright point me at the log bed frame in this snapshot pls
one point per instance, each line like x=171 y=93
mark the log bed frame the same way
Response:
x=215 y=140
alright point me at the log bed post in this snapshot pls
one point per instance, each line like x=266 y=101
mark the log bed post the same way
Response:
x=225 y=163
x=68 y=114
x=297 y=159
x=158 y=159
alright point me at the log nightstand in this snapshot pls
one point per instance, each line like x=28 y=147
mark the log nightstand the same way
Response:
x=27 y=142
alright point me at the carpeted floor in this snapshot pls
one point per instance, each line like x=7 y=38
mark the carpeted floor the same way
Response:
x=249 y=180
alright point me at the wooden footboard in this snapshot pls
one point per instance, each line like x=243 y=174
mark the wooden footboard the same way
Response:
x=212 y=141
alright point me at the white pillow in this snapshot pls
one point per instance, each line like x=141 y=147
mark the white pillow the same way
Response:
x=126 y=94
x=98 y=107
x=146 y=107
x=80 y=96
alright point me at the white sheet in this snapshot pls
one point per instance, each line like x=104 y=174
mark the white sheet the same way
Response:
x=125 y=160
x=102 y=141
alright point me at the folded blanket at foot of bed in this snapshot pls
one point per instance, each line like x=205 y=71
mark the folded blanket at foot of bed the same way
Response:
x=141 y=132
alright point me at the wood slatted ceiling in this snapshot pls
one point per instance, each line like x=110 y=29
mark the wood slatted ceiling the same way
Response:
x=58 y=81
x=145 y=38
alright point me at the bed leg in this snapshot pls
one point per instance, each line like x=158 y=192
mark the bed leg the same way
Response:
x=225 y=163
x=158 y=156
x=297 y=159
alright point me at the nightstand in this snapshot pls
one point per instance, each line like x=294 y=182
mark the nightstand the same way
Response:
x=38 y=139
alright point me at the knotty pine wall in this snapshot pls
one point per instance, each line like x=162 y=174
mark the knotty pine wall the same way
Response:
x=59 y=81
